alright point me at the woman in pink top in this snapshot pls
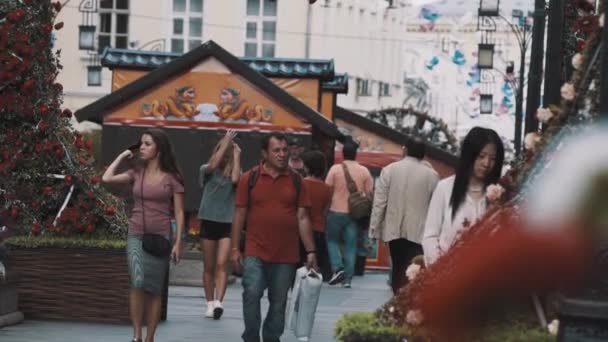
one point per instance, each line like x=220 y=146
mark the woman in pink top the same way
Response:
x=158 y=193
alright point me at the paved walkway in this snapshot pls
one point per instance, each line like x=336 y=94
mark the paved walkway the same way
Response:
x=186 y=323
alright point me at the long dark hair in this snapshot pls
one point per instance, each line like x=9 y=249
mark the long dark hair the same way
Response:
x=473 y=143
x=167 y=160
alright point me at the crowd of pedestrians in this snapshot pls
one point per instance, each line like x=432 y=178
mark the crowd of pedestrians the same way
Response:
x=289 y=210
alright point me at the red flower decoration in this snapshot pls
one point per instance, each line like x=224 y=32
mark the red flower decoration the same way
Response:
x=57 y=6
x=35 y=228
x=47 y=190
x=28 y=86
x=580 y=45
x=90 y=228
x=43 y=126
x=68 y=180
x=14 y=212
x=44 y=109
x=586 y=24
x=59 y=26
x=110 y=210
x=95 y=180
x=66 y=113
x=47 y=28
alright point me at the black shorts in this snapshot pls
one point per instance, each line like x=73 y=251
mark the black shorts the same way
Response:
x=212 y=230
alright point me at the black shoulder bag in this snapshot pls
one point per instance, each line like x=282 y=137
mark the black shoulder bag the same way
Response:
x=154 y=244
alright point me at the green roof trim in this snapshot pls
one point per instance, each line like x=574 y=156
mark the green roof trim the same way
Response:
x=270 y=67
x=338 y=84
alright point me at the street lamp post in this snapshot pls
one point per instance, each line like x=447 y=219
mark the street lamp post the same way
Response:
x=488 y=10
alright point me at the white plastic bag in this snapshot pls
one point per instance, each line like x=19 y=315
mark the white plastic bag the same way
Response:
x=303 y=303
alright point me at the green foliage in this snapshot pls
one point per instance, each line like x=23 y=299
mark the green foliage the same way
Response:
x=65 y=242
x=515 y=330
x=365 y=327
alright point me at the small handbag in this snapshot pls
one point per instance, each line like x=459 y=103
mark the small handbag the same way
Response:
x=153 y=244
x=359 y=204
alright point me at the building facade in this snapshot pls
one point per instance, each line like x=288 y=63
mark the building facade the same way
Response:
x=362 y=36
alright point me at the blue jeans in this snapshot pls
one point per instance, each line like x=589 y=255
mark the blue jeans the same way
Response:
x=341 y=227
x=257 y=276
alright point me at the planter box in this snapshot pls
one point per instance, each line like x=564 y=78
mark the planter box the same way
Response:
x=72 y=283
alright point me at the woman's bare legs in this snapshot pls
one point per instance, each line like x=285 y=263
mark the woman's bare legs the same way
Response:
x=136 y=310
x=153 y=308
x=221 y=275
x=209 y=262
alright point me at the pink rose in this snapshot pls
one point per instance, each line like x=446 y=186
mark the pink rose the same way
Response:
x=494 y=192
x=414 y=317
x=544 y=115
x=531 y=140
x=577 y=61
x=568 y=92
x=412 y=271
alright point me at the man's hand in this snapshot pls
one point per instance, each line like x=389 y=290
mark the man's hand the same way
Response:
x=311 y=261
x=237 y=258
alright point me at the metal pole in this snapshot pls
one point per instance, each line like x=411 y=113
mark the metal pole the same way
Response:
x=519 y=101
x=604 y=70
x=536 y=66
x=553 y=68
x=308 y=27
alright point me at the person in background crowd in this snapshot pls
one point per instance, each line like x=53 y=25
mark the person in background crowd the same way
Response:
x=401 y=202
x=274 y=201
x=459 y=201
x=320 y=198
x=218 y=178
x=158 y=192
x=341 y=227
x=295 y=156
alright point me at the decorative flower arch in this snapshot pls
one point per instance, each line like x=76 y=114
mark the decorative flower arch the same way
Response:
x=419 y=124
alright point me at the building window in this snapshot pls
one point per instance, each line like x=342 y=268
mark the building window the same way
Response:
x=261 y=28
x=384 y=89
x=363 y=87
x=113 y=24
x=187 y=25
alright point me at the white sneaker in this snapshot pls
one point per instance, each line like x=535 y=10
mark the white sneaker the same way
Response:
x=218 y=311
x=209 y=312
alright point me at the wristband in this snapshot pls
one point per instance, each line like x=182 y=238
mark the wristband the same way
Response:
x=311 y=252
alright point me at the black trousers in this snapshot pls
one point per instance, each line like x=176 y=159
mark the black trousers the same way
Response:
x=402 y=253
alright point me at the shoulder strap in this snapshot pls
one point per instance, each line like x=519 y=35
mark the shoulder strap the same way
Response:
x=350 y=183
x=141 y=194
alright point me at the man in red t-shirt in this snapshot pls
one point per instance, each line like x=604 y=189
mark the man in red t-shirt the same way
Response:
x=276 y=212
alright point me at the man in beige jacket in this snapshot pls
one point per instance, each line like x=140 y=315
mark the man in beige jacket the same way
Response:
x=401 y=202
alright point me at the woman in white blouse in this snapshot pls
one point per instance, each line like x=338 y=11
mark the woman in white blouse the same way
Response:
x=458 y=201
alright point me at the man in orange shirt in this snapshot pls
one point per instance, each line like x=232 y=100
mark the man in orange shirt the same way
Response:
x=275 y=208
x=341 y=227
x=315 y=166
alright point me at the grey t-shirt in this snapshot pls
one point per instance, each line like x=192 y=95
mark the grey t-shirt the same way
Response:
x=217 y=202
